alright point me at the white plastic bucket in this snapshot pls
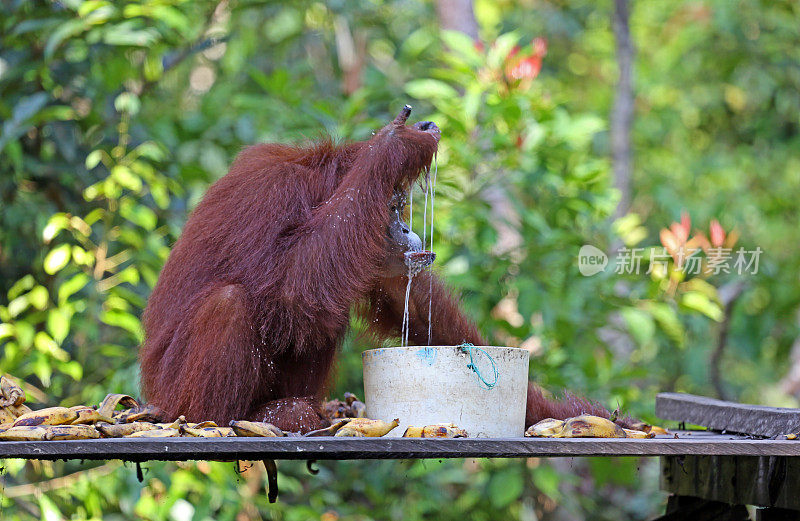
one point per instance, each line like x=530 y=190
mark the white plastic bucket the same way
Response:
x=434 y=384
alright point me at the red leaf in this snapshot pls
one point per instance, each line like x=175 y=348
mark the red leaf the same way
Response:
x=717 y=233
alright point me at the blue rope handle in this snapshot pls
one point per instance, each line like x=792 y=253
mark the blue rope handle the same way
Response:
x=468 y=348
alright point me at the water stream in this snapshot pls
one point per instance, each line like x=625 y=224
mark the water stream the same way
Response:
x=413 y=262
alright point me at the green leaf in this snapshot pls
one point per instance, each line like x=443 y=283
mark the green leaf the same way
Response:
x=126 y=34
x=21 y=286
x=57 y=325
x=462 y=45
x=57 y=222
x=25 y=109
x=123 y=320
x=125 y=177
x=56 y=259
x=38 y=297
x=427 y=88
x=45 y=344
x=547 y=479
x=93 y=159
x=49 y=509
x=18 y=305
x=640 y=325
x=6 y=330
x=71 y=286
x=73 y=369
x=700 y=302
x=128 y=102
x=62 y=32
x=668 y=321
x=505 y=487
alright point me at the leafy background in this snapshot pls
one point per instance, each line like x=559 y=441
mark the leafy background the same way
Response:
x=116 y=116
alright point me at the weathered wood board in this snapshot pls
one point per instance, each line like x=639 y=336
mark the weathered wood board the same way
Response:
x=744 y=480
x=329 y=448
x=727 y=416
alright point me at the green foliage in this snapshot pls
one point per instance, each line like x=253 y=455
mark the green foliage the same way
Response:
x=116 y=116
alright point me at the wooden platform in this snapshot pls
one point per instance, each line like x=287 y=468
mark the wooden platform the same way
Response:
x=327 y=448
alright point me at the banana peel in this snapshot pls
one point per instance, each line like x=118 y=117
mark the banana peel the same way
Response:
x=547 y=428
x=647 y=428
x=123 y=429
x=10 y=393
x=364 y=427
x=88 y=415
x=255 y=429
x=24 y=433
x=147 y=413
x=631 y=433
x=438 y=430
x=71 y=432
x=583 y=426
x=48 y=416
x=111 y=401
x=588 y=426
x=157 y=433
x=330 y=430
x=206 y=432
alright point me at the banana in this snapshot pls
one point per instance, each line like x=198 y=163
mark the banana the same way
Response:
x=71 y=432
x=18 y=410
x=255 y=429
x=24 y=433
x=206 y=432
x=124 y=429
x=174 y=425
x=588 y=426
x=110 y=402
x=6 y=416
x=546 y=428
x=438 y=430
x=647 y=428
x=10 y=393
x=364 y=427
x=48 y=416
x=157 y=433
x=87 y=415
x=632 y=433
x=791 y=436
x=147 y=413
x=331 y=430
x=207 y=423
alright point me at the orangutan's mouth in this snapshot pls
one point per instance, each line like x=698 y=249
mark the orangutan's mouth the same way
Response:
x=417 y=261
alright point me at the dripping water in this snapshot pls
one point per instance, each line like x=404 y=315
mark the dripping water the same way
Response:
x=406 y=318
x=425 y=208
x=430 y=193
x=430 y=279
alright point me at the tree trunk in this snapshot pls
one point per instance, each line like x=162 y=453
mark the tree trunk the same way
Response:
x=622 y=111
x=457 y=15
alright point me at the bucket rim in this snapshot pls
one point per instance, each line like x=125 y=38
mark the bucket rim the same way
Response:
x=417 y=348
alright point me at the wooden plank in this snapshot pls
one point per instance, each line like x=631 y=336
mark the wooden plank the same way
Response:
x=767 y=481
x=680 y=508
x=727 y=416
x=329 y=448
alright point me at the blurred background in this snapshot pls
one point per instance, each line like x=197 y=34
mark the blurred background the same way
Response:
x=617 y=124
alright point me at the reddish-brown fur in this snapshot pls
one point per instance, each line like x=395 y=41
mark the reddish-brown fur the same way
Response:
x=254 y=300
